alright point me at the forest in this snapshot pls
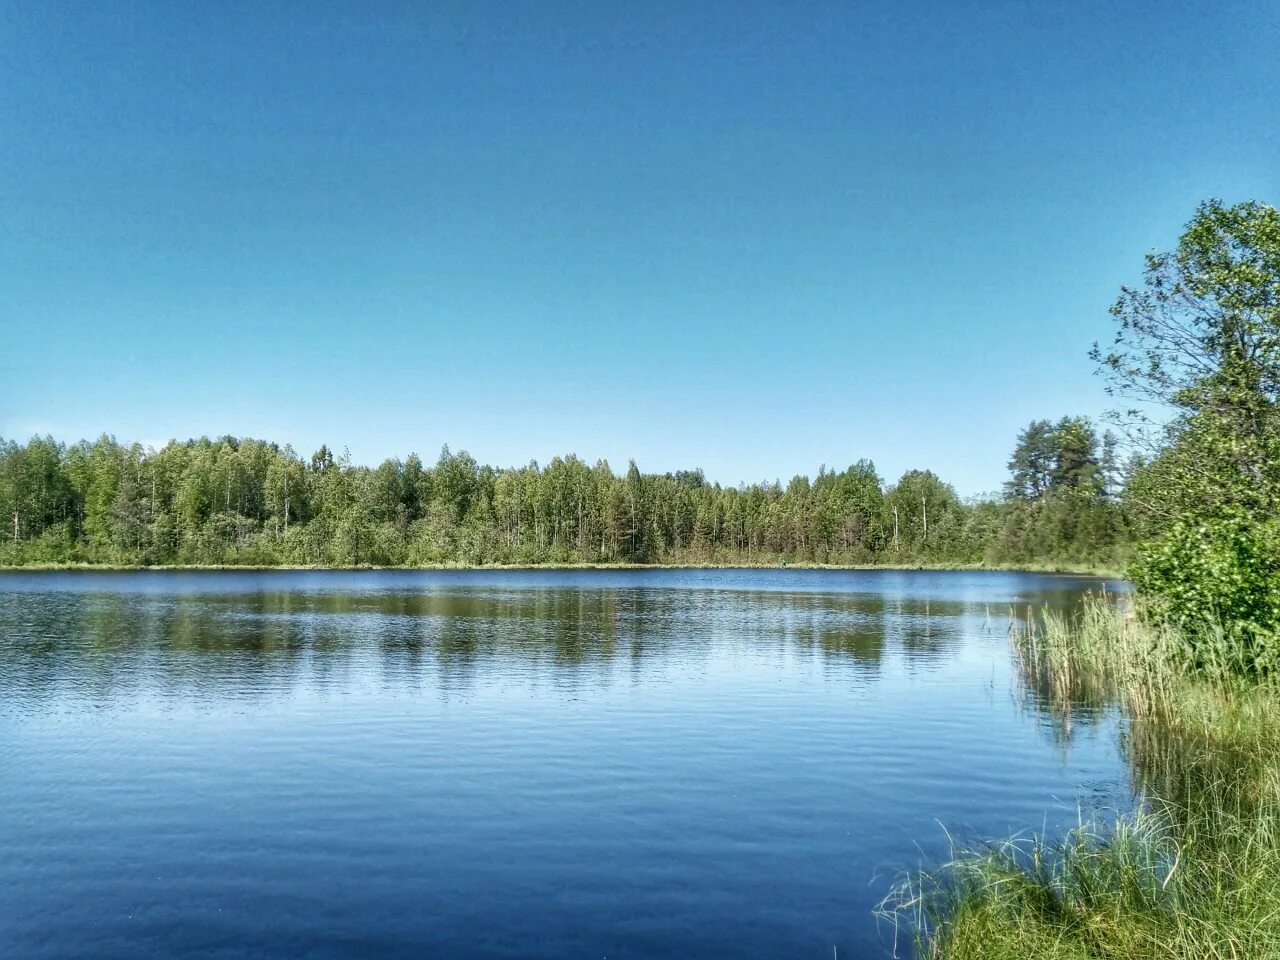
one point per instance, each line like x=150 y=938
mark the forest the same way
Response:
x=241 y=501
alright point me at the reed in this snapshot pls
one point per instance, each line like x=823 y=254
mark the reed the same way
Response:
x=1193 y=872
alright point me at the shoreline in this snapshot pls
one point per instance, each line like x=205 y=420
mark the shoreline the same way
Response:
x=1064 y=569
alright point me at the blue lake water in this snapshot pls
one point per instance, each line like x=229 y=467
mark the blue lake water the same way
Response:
x=614 y=764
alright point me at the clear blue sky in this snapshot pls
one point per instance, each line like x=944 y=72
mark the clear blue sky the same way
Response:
x=750 y=237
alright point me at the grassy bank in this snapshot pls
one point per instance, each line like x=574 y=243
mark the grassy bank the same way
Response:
x=1194 y=873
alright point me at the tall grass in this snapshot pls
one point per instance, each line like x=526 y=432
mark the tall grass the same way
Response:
x=1194 y=873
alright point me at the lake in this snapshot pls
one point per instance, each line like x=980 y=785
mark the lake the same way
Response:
x=618 y=764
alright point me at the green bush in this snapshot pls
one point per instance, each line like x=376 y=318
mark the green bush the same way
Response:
x=1207 y=573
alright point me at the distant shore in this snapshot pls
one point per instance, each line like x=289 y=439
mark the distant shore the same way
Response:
x=1065 y=568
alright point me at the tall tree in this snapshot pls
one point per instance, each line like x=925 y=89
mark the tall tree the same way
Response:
x=1197 y=351
x=1031 y=466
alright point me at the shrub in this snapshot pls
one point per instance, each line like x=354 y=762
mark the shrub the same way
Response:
x=1220 y=581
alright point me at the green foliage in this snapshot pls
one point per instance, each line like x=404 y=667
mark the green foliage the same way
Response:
x=1051 y=458
x=1061 y=496
x=1217 y=571
x=244 y=501
x=1200 y=341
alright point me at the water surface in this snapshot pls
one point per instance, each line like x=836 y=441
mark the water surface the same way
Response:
x=510 y=764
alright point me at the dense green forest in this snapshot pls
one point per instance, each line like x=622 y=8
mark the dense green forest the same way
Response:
x=244 y=501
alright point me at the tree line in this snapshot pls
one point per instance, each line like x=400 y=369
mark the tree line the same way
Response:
x=244 y=501
x=1193 y=504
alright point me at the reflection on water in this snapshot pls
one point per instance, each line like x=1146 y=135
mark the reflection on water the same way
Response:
x=241 y=644
x=640 y=763
x=1066 y=703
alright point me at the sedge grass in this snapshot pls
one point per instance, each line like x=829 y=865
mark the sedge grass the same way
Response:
x=1192 y=874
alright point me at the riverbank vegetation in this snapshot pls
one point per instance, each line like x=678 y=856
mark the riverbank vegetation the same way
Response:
x=1193 y=662
x=1193 y=874
x=249 y=502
